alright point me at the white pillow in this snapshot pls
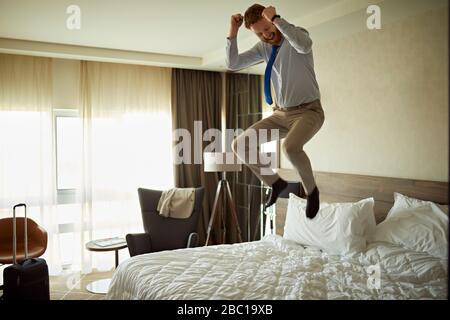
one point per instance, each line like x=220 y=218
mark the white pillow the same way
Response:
x=338 y=228
x=416 y=225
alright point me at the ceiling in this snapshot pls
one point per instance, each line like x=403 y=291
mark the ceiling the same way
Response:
x=179 y=27
x=171 y=32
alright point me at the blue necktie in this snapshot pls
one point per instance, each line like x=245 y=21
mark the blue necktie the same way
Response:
x=267 y=74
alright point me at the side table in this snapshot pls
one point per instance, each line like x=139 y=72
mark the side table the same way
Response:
x=102 y=286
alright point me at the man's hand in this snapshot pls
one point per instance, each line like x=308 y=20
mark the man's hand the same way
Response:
x=268 y=13
x=236 y=23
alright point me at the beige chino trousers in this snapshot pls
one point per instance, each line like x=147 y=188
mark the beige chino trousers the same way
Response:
x=298 y=125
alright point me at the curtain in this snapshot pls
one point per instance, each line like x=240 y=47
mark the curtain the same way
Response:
x=127 y=144
x=27 y=159
x=117 y=140
x=196 y=96
x=244 y=108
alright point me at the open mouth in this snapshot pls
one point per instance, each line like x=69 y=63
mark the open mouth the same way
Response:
x=272 y=36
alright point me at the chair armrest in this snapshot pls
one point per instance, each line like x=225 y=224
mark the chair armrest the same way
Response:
x=138 y=243
x=192 y=240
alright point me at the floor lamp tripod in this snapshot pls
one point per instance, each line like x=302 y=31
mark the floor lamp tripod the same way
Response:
x=217 y=162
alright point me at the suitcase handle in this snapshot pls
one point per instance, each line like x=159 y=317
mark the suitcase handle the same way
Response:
x=15 y=232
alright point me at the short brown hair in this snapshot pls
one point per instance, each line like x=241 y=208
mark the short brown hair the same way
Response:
x=253 y=14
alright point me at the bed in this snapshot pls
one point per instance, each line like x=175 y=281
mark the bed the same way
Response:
x=276 y=268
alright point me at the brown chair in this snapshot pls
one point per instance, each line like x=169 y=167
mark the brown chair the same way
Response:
x=37 y=240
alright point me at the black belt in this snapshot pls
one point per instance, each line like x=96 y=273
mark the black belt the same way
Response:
x=284 y=109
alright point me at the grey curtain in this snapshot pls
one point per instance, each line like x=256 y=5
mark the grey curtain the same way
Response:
x=196 y=96
x=243 y=108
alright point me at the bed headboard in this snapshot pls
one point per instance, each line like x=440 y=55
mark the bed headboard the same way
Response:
x=342 y=187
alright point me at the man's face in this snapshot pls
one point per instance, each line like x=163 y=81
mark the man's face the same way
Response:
x=266 y=31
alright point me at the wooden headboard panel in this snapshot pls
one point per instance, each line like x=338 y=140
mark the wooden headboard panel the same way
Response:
x=341 y=187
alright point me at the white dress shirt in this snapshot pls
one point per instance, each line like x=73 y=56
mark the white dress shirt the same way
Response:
x=293 y=76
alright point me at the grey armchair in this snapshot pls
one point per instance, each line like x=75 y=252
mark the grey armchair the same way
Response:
x=163 y=233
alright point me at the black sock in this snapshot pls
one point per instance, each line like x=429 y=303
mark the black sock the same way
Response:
x=312 y=205
x=277 y=187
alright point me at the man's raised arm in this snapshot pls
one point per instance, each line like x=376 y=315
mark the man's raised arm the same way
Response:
x=298 y=37
x=234 y=60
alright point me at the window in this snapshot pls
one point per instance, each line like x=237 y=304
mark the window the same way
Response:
x=68 y=142
x=68 y=136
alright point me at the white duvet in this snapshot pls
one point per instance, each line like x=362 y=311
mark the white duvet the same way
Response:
x=275 y=268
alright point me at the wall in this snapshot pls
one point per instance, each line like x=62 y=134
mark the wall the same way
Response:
x=385 y=96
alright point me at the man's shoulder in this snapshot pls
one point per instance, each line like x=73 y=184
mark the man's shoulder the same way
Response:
x=264 y=46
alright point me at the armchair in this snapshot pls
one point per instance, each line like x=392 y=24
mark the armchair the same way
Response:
x=37 y=240
x=163 y=233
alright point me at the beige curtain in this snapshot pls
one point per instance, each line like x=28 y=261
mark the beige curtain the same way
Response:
x=196 y=96
x=27 y=162
x=127 y=144
x=125 y=140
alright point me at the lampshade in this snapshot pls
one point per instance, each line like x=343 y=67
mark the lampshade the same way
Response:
x=221 y=162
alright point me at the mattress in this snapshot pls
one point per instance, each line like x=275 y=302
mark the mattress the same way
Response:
x=276 y=268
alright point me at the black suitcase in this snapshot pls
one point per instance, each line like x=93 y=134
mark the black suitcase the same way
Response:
x=28 y=279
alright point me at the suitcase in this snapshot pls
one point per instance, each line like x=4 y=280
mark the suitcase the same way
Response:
x=28 y=279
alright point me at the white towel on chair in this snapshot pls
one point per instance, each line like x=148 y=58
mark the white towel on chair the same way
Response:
x=177 y=203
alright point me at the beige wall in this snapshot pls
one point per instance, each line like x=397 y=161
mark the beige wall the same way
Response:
x=385 y=96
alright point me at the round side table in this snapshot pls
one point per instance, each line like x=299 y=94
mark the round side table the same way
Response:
x=102 y=286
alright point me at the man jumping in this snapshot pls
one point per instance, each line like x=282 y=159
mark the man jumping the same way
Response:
x=298 y=113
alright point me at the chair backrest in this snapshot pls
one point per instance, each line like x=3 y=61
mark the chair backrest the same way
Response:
x=167 y=233
x=37 y=239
